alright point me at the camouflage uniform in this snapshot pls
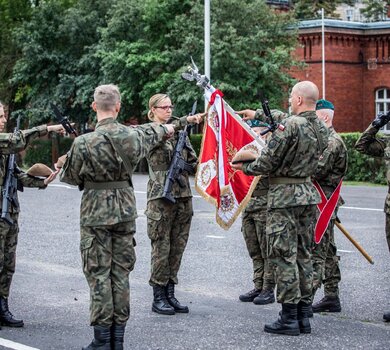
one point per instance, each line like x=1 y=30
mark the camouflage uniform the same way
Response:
x=290 y=159
x=11 y=143
x=168 y=223
x=331 y=169
x=253 y=230
x=108 y=212
x=372 y=145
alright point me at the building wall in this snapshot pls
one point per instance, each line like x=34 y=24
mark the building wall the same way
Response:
x=356 y=65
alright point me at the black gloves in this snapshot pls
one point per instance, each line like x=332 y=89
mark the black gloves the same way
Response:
x=381 y=120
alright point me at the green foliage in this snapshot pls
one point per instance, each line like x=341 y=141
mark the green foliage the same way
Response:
x=196 y=142
x=375 y=10
x=309 y=9
x=362 y=167
x=40 y=151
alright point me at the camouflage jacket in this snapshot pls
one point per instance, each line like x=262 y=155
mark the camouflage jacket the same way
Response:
x=292 y=153
x=92 y=158
x=159 y=159
x=258 y=200
x=333 y=163
x=276 y=114
x=26 y=180
x=369 y=143
x=15 y=142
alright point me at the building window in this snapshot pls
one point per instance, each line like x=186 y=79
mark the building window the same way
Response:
x=382 y=103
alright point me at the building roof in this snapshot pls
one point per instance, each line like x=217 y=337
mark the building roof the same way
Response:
x=335 y=23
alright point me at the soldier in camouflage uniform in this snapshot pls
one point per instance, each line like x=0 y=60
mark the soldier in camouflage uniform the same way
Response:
x=253 y=230
x=101 y=163
x=168 y=223
x=371 y=144
x=331 y=169
x=11 y=143
x=290 y=159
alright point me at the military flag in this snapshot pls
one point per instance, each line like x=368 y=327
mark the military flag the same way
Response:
x=224 y=135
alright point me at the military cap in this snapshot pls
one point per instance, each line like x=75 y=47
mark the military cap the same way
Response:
x=324 y=104
x=39 y=169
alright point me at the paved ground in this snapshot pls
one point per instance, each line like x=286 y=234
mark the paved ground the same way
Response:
x=50 y=293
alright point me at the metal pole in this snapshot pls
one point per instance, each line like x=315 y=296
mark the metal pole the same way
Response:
x=323 y=54
x=207 y=40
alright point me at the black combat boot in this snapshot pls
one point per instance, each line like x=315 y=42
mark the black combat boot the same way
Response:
x=101 y=340
x=386 y=317
x=287 y=322
x=265 y=297
x=170 y=294
x=6 y=317
x=250 y=296
x=117 y=336
x=327 y=304
x=303 y=317
x=160 y=302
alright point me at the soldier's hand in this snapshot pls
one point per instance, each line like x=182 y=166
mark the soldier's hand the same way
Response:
x=381 y=120
x=58 y=128
x=236 y=166
x=196 y=118
x=50 y=178
x=247 y=114
x=170 y=129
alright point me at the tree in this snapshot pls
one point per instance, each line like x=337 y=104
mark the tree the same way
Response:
x=375 y=10
x=311 y=9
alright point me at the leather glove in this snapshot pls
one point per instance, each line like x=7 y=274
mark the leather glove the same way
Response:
x=381 y=120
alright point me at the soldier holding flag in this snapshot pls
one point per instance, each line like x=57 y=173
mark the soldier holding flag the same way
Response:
x=290 y=159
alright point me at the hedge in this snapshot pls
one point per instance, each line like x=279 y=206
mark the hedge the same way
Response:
x=360 y=167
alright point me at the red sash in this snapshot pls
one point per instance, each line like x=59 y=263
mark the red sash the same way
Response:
x=326 y=208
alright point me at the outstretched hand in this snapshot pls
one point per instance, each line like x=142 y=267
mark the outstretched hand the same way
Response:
x=247 y=114
x=51 y=177
x=196 y=118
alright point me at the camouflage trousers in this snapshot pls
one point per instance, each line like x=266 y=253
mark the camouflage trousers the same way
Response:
x=289 y=241
x=8 y=243
x=388 y=229
x=253 y=230
x=168 y=230
x=326 y=263
x=108 y=256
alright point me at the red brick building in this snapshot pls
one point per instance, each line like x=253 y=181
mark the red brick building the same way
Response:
x=357 y=68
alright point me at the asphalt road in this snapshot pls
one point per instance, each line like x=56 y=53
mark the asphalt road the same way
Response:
x=50 y=293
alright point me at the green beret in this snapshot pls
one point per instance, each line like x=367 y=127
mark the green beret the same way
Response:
x=255 y=123
x=324 y=104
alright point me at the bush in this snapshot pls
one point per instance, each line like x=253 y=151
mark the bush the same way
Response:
x=360 y=166
x=196 y=141
x=40 y=151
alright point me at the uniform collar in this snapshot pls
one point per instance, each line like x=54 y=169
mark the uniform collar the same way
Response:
x=105 y=122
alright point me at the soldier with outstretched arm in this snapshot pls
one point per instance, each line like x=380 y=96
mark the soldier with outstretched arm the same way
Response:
x=9 y=227
x=101 y=163
x=373 y=145
x=290 y=159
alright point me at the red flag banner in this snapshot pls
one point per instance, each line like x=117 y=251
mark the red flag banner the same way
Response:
x=326 y=208
x=224 y=135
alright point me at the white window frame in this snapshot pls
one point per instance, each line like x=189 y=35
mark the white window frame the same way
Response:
x=382 y=105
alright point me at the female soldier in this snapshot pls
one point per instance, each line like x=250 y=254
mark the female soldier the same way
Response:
x=168 y=223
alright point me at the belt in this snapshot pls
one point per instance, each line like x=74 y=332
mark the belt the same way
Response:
x=258 y=193
x=288 y=180
x=109 y=185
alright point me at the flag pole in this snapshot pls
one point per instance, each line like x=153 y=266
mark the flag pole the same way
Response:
x=323 y=54
x=207 y=41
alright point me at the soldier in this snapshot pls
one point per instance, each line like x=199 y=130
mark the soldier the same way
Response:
x=168 y=223
x=253 y=230
x=290 y=159
x=331 y=169
x=11 y=143
x=369 y=143
x=101 y=163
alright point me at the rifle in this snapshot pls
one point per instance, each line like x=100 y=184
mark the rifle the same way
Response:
x=178 y=164
x=272 y=125
x=11 y=185
x=63 y=120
